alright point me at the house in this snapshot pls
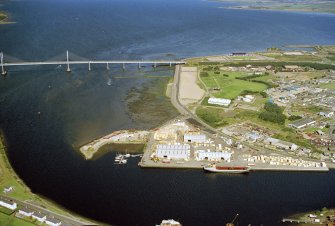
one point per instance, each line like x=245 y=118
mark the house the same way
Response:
x=212 y=156
x=219 y=101
x=26 y=212
x=281 y=144
x=194 y=138
x=327 y=114
x=39 y=216
x=7 y=203
x=52 y=221
x=301 y=123
x=176 y=151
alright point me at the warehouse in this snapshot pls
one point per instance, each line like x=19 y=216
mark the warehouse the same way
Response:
x=176 y=151
x=212 y=156
x=301 y=123
x=219 y=101
x=194 y=138
x=281 y=144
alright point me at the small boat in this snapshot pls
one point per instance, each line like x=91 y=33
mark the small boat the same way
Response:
x=127 y=155
x=227 y=169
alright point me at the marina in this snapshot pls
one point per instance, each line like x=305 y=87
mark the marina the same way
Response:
x=122 y=159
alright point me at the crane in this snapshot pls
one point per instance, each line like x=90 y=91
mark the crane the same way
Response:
x=232 y=222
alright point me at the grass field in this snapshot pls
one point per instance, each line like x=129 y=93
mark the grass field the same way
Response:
x=328 y=85
x=229 y=85
x=11 y=220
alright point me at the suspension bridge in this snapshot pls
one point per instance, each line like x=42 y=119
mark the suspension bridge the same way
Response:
x=84 y=61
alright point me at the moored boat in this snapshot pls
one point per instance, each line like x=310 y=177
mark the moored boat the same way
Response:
x=227 y=169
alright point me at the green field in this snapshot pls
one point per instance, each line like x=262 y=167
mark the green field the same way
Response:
x=11 y=220
x=230 y=87
x=328 y=85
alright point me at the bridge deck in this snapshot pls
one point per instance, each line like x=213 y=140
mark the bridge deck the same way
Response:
x=92 y=62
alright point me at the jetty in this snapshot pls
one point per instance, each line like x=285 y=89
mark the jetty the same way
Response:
x=117 y=137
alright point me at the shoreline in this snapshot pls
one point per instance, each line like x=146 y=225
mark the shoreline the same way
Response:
x=6 y=18
x=270 y=9
x=22 y=193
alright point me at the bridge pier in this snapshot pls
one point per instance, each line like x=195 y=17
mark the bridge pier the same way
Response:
x=139 y=65
x=89 y=66
x=67 y=60
x=107 y=66
x=123 y=66
x=3 y=71
x=170 y=64
x=155 y=65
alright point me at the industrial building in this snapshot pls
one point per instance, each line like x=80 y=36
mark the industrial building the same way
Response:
x=302 y=123
x=219 y=101
x=177 y=151
x=281 y=144
x=212 y=156
x=195 y=138
x=7 y=203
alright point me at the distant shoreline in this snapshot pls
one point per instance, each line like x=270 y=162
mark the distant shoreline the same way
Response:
x=300 y=6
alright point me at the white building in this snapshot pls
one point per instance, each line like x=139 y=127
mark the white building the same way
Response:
x=39 y=216
x=194 y=138
x=26 y=212
x=173 y=151
x=219 y=101
x=212 y=156
x=7 y=203
x=52 y=221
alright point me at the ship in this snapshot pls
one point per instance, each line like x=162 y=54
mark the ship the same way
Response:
x=227 y=169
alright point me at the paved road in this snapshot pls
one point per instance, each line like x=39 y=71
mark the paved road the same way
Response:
x=65 y=219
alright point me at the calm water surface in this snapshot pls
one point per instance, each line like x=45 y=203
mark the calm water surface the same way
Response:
x=81 y=106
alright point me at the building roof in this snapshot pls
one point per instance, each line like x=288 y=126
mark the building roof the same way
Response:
x=6 y=200
x=302 y=122
x=291 y=66
x=53 y=220
x=219 y=101
x=173 y=147
x=39 y=214
x=26 y=210
x=195 y=136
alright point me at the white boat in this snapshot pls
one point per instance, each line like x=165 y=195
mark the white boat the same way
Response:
x=127 y=155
